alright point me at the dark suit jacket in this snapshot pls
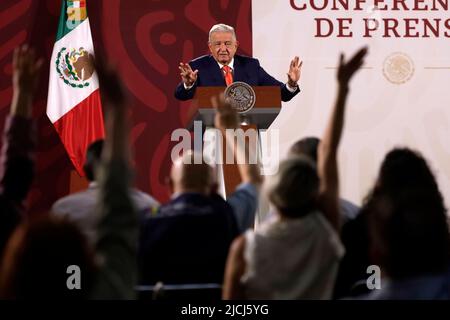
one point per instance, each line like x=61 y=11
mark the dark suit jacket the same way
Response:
x=187 y=241
x=246 y=69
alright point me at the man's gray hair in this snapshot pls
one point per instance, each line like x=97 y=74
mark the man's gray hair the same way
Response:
x=222 y=28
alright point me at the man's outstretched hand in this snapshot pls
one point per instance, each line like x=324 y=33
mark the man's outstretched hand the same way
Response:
x=347 y=69
x=295 y=70
x=111 y=88
x=187 y=75
x=115 y=106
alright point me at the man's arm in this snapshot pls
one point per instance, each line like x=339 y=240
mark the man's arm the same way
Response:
x=287 y=94
x=16 y=159
x=227 y=119
x=234 y=270
x=118 y=225
x=183 y=94
x=245 y=199
x=328 y=148
x=265 y=79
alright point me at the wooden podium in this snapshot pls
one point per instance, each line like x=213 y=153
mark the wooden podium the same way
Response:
x=266 y=109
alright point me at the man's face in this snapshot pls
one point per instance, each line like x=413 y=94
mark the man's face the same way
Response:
x=223 y=46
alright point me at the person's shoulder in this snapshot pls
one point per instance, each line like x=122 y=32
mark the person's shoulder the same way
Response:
x=71 y=199
x=143 y=199
x=181 y=204
x=245 y=58
x=318 y=219
x=246 y=189
x=202 y=60
x=242 y=59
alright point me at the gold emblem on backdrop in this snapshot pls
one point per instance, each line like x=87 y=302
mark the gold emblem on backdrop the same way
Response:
x=398 y=68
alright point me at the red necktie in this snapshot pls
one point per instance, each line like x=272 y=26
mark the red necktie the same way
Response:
x=228 y=75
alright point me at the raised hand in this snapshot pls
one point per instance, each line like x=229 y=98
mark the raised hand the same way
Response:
x=25 y=79
x=328 y=149
x=111 y=87
x=245 y=153
x=187 y=75
x=294 y=73
x=26 y=69
x=116 y=117
x=347 y=69
x=226 y=117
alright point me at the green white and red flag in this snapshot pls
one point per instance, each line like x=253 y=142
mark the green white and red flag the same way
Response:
x=73 y=104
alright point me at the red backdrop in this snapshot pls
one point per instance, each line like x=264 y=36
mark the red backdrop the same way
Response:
x=147 y=40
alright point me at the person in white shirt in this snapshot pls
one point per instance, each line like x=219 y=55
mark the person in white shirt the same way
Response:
x=296 y=254
x=80 y=207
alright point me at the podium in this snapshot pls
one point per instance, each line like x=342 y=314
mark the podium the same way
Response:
x=266 y=109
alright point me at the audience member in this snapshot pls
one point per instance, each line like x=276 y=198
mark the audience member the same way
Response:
x=353 y=266
x=38 y=257
x=408 y=230
x=296 y=255
x=81 y=206
x=308 y=147
x=188 y=240
x=37 y=254
x=118 y=227
x=17 y=157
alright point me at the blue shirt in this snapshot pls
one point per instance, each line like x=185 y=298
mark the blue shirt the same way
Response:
x=244 y=202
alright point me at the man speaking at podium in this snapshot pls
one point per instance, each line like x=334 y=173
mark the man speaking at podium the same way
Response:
x=224 y=67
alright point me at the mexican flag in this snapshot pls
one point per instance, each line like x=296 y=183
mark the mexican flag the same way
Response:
x=73 y=104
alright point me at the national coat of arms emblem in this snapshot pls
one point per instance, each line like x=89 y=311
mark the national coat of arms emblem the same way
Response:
x=75 y=67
